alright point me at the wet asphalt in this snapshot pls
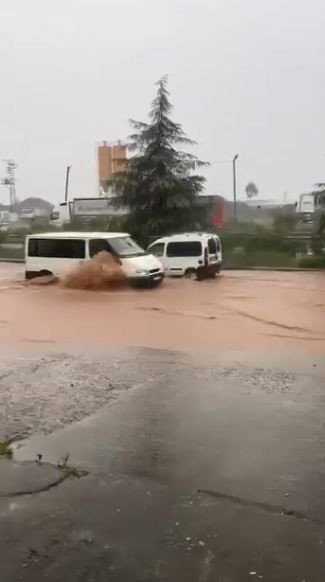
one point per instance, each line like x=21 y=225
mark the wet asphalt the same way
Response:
x=202 y=466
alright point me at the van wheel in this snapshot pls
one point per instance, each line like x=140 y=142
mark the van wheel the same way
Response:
x=155 y=284
x=29 y=275
x=191 y=274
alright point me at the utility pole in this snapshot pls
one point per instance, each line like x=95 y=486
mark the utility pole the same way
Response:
x=67 y=184
x=235 y=184
x=10 y=181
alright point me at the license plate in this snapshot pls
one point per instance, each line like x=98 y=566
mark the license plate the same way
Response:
x=157 y=278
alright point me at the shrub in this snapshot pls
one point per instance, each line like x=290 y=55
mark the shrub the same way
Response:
x=312 y=262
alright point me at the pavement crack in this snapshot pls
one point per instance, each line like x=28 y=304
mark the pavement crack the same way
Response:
x=295 y=337
x=267 y=507
x=179 y=313
x=268 y=321
x=37 y=490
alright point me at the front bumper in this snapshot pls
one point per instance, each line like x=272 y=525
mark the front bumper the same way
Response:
x=147 y=280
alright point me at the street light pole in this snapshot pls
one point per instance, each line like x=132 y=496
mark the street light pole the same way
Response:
x=67 y=184
x=235 y=185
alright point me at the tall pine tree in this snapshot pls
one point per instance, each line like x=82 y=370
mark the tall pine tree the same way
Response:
x=160 y=185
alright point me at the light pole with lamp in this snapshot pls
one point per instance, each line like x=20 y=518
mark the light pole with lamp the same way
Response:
x=67 y=175
x=235 y=184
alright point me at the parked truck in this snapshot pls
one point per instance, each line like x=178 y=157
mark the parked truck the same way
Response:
x=311 y=208
x=84 y=209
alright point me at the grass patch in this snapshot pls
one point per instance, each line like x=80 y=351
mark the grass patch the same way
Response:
x=73 y=472
x=6 y=449
x=69 y=471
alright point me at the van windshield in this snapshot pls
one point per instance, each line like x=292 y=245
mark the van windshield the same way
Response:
x=126 y=247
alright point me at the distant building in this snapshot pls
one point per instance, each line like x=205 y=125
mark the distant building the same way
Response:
x=4 y=216
x=261 y=203
x=34 y=207
x=111 y=160
x=29 y=209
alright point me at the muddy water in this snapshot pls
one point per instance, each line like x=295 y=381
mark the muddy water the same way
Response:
x=102 y=272
x=247 y=309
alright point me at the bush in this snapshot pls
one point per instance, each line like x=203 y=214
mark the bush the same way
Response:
x=12 y=254
x=258 y=259
x=269 y=250
x=312 y=262
x=317 y=245
x=262 y=242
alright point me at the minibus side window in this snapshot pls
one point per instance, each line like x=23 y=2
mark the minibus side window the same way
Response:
x=56 y=248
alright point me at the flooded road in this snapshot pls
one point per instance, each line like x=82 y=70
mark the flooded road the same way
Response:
x=238 y=310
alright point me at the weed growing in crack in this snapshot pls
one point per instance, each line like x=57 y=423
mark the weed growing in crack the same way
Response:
x=6 y=449
x=69 y=470
x=73 y=472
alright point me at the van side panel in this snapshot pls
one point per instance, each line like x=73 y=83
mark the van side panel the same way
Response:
x=56 y=256
x=180 y=256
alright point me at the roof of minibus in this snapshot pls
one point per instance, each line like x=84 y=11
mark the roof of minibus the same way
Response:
x=84 y=235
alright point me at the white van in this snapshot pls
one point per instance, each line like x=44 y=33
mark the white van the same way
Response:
x=195 y=255
x=57 y=252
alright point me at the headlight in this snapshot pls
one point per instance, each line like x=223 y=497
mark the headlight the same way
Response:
x=142 y=272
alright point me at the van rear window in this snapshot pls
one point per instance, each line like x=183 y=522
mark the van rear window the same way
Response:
x=184 y=249
x=212 y=245
x=56 y=248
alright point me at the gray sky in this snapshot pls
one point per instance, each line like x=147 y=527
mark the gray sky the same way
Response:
x=246 y=76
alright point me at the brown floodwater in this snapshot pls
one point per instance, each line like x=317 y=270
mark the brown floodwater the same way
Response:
x=237 y=310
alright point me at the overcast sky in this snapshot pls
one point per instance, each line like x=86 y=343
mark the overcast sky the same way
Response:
x=245 y=76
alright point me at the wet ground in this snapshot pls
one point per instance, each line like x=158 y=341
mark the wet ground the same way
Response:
x=205 y=469
x=238 y=310
x=204 y=450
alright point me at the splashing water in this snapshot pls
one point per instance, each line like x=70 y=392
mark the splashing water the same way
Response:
x=103 y=271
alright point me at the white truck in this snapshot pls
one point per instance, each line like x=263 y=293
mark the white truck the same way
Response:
x=306 y=206
x=311 y=208
x=84 y=209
